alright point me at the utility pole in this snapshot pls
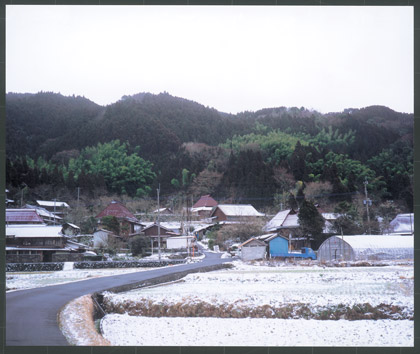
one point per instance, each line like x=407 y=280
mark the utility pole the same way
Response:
x=158 y=222
x=78 y=196
x=367 y=205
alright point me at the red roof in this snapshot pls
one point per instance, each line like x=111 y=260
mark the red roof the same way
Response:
x=118 y=210
x=205 y=201
x=29 y=216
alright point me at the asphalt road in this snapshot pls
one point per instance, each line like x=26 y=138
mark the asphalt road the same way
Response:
x=31 y=315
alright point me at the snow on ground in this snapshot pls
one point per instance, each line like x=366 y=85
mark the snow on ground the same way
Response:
x=121 y=330
x=277 y=286
x=29 y=280
x=257 y=285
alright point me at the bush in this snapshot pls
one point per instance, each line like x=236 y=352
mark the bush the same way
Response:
x=139 y=244
x=211 y=244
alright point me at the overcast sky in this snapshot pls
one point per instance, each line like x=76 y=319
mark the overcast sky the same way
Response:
x=230 y=58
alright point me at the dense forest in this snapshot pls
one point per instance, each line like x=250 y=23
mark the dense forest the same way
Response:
x=59 y=146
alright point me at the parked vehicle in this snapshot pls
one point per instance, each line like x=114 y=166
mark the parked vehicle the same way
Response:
x=305 y=252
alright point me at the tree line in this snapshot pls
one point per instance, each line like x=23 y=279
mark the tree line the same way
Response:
x=143 y=141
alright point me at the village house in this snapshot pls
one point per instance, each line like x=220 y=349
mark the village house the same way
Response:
x=48 y=217
x=40 y=243
x=286 y=223
x=129 y=224
x=104 y=239
x=204 y=206
x=163 y=211
x=54 y=206
x=23 y=217
x=153 y=232
x=235 y=213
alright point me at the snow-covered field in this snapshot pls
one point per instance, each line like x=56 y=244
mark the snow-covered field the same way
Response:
x=123 y=330
x=254 y=286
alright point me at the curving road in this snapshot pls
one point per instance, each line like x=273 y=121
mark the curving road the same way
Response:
x=31 y=315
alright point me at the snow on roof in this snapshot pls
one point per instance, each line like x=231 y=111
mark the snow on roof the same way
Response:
x=239 y=210
x=378 y=241
x=47 y=203
x=277 y=221
x=72 y=225
x=267 y=237
x=162 y=210
x=330 y=216
x=205 y=201
x=23 y=215
x=254 y=240
x=165 y=226
x=34 y=231
x=291 y=221
x=43 y=212
x=201 y=209
x=403 y=223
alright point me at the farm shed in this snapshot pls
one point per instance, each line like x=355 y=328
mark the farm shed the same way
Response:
x=178 y=242
x=366 y=247
x=276 y=244
x=253 y=249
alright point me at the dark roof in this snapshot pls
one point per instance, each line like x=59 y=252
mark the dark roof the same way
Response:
x=205 y=201
x=118 y=210
x=29 y=216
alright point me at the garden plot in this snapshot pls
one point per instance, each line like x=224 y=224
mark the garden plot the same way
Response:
x=315 y=301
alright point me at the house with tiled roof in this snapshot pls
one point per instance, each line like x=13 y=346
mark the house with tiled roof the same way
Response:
x=23 y=216
x=129 y=224
x=204 y=206
x=40 y=243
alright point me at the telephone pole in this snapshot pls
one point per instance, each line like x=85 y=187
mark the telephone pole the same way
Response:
x=367 y=201
x=158 y=222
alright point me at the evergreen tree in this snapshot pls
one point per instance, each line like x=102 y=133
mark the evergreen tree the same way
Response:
x=311 y=222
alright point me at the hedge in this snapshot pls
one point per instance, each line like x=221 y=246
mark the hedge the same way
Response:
x=126 y=264
x=34 y=267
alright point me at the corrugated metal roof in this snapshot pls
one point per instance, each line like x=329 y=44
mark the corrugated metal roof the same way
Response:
x=239 y=210
x=35 y=231
x=23 y=215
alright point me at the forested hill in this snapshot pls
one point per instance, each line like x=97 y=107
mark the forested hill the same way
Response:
x=190 y=148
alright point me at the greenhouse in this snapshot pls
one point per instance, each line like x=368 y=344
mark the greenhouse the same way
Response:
x=366 y=247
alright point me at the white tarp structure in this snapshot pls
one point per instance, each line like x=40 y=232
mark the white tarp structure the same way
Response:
x=366 y=247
